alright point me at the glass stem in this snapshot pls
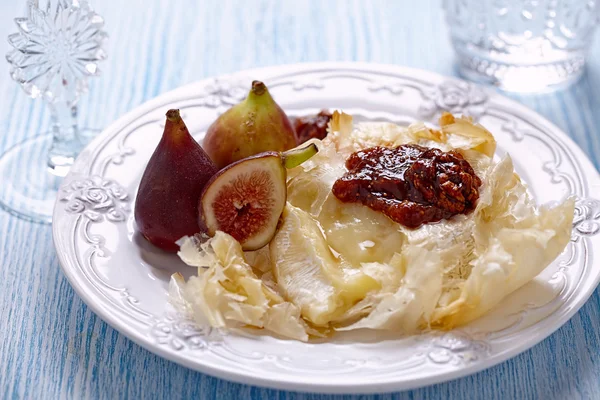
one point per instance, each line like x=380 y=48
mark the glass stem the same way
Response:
x=65 y=141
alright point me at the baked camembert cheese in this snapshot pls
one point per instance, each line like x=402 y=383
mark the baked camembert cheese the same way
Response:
x=342 y=265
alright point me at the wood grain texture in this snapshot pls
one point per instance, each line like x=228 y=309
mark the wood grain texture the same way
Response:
x=52 y=346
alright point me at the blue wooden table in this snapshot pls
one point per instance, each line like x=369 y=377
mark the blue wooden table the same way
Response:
x=52 y=346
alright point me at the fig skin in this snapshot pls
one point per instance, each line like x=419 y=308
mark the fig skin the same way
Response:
x=255 y=125
x=167 y=198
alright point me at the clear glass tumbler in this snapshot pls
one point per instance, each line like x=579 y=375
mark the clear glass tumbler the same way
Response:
x=522 y=45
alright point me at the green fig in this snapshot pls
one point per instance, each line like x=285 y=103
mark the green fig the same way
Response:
x=255 y=125
x=167 y=199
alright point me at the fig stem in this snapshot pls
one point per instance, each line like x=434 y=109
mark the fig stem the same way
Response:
x=293 y=158
x=173 y=115
x=259 y=96
x=258 y=88
x=175 y=129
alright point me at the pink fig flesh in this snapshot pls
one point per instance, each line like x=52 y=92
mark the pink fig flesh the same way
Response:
x=246 y=200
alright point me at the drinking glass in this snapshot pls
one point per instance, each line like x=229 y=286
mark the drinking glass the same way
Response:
x=522 y=45
x=56 y=48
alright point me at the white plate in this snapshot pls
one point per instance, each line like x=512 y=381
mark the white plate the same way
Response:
x=124 y=280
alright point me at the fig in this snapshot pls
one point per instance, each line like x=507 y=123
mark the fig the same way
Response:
x=246 y=198
x=166 y=203
x=255 y=125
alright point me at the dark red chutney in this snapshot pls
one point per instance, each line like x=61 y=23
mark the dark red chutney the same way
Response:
x=312 y=127
x=411 y=184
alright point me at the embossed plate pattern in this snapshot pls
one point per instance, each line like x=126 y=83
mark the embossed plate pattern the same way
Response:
x=124 y=280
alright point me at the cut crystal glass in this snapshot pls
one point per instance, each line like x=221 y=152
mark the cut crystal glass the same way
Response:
x=56 y=49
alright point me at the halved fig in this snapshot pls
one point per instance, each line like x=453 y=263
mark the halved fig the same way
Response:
x=246 y=198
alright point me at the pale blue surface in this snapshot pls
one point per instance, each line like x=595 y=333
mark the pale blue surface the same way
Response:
x=53 y=346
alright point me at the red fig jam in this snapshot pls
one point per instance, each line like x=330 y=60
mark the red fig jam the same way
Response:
x=411 y=184
x=313 y=127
